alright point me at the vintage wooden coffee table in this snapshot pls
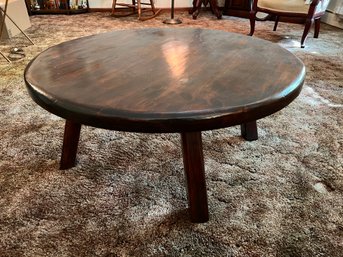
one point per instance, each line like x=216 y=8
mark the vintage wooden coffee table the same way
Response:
x=165 y=81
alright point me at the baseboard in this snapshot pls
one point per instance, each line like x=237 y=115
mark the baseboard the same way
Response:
x=236 y=13
x=332 y=19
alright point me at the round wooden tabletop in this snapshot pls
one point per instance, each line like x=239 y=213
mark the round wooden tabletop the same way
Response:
x=164 y=79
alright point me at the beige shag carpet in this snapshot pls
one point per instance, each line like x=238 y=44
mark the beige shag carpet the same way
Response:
x=281 y=195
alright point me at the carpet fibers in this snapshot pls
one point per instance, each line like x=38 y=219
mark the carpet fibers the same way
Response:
x=281 y=195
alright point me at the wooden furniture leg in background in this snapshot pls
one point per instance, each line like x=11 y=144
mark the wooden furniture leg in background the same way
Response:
x=195 y=10
x=70 y=143
x=193 y=161
x=2 y=24
x=135 y=7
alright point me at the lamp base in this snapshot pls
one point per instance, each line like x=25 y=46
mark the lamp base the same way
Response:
x=172 y=21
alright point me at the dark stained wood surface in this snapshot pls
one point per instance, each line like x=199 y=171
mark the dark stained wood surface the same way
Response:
x=70 y=144
x=193 y=161
x=164 y=80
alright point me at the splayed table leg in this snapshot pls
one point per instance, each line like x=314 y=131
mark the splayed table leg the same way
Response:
x=70 y=143
x=193 y=160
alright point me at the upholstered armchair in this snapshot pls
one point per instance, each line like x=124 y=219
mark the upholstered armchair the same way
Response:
x=310 y=10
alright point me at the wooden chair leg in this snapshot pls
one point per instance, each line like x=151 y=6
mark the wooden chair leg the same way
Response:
x=133 y=6
x=152 y=4
x=139 y=9
x=152 y=9
x=252 y=17
x=194 y=7
x=307 y=28
x=276 y=23
x=114 y=3
x=214 y=8
x=316 y=27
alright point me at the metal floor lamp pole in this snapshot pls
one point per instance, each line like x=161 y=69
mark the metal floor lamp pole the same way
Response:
x=172 y=20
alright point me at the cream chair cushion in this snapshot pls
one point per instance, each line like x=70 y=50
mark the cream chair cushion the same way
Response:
x=292 y=6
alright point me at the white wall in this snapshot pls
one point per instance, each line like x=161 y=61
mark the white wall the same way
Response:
x=333 y=4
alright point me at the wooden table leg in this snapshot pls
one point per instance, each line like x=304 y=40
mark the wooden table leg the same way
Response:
x=70 y=142
x=249 y=131
x=193 y=161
